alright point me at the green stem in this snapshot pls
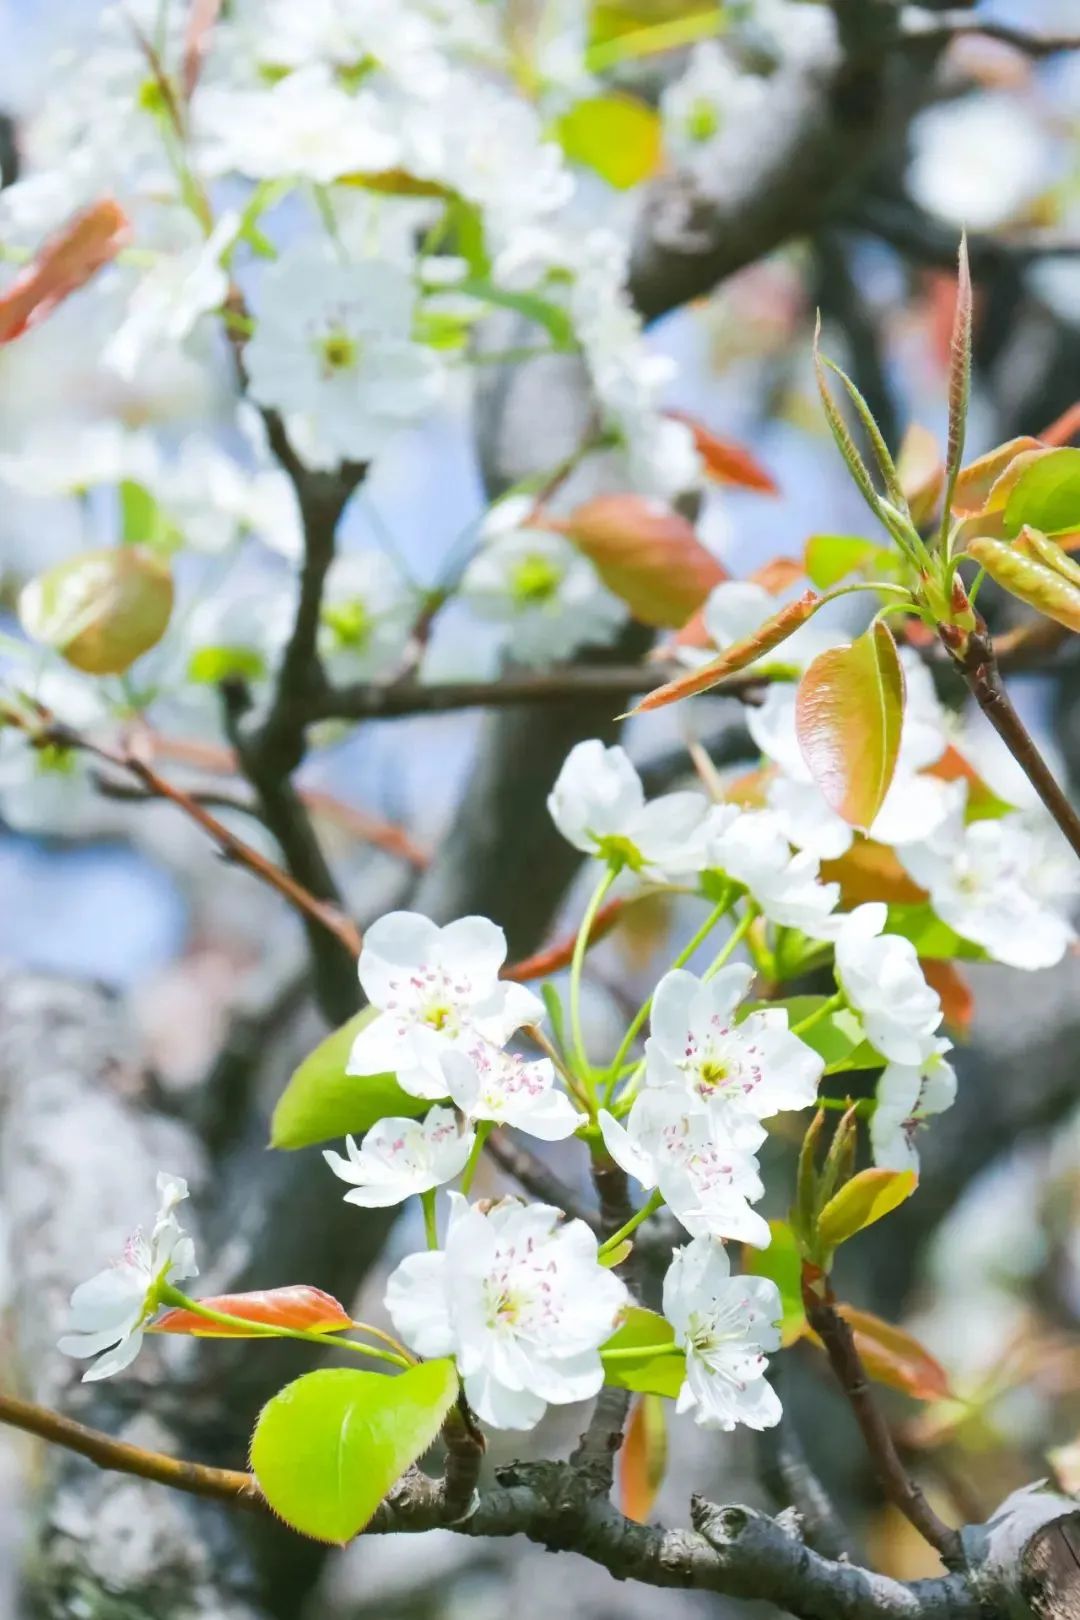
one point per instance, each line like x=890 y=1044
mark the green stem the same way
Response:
x=484 y=1128
x=168 y=1295
x=833 y=1004
x=638 y=1352
x=431 y=1231
x=643 y=1011
x=655 y=1201
x=734 y=939
x=577 y=962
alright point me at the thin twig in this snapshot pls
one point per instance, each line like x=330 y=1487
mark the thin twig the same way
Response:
x=898 y=1488
x=556 y=957
x=52 y=732
x=570 y=685
x=953 y=25
x=534 y=1175
x=223 y=1484
x=977 y=663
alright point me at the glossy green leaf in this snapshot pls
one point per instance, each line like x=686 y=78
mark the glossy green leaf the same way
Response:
x=838 y=1037
x=653 y=1374
x=101 y=610
x=322 y=1103
x=832 y=557
x=143 y=523
x=848 y=714
x=328 y=1447
x=208 y=666
x=781 y=1262
x=866 y=1198
x=931 y=937
x=1046 y=496
x=616 y=135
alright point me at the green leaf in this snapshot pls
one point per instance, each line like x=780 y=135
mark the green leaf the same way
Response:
x=882 y=455
x=652 y=1375
x=838 y=1037
x=329 y=1446
x=321 y=1102
x=143 y=523
x=866 y=1198
x=856 y=466
x=1046 y=496
x=848 y=714
x=832 y=557
x=617 y=135
x=931 y=937
x=782 y=1263
x=208 y=666
x=101 y=610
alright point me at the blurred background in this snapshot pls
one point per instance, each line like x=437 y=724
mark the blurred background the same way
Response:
x=131 y=952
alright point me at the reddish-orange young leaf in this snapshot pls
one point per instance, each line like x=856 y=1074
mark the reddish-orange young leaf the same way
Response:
x=751 y=789
x=871 y=871
x=848 y=713
x=768 y=635
x=1065 y=429
x=957 y=999
x=300 y=1306
x=953 y=767
x=895 y=1358
x=973 y=486
x=200 y=24
x=63 y=264
x=778 y=575
x=646 y=553
x=643 y=1458
x=728 y=462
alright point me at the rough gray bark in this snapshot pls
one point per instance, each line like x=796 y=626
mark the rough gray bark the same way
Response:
x=79 y=1150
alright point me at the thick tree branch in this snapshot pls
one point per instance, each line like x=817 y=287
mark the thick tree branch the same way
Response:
x=733 y=1550
x=944 y=28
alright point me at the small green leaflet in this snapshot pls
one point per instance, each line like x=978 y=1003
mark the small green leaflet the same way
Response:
x=652 y=1375
x=328 y=1447
x=322 y=1103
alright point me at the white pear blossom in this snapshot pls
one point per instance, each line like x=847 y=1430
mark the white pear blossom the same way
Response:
x=750 y=846
x=108 y=1314
x=598 y=804
x=519 y=1298
x=434 y=988
x=882 y=980
x=487 y=1083
x=711 y=96
x=980 y=160
x=705 y=1170
x=753 y=1065
x=546 y=596
x=727 y=1326
x=369 y=609
x=907 y=1096
x=333 y=351
x=305 y=126
x=166 y=304
x=1007 y=884
x=401 y=1157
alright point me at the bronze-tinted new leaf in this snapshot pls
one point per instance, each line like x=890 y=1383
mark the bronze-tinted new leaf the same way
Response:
x=727 y=462
x=848 y=715
x=768 y=635
x=896 y=1358
x=643 y=1458
x=63 y=264
x=1030 y=580
x=299 y=1306
x=646 y=554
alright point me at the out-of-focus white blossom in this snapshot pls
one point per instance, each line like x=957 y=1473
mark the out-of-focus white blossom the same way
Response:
x=907 y=1096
